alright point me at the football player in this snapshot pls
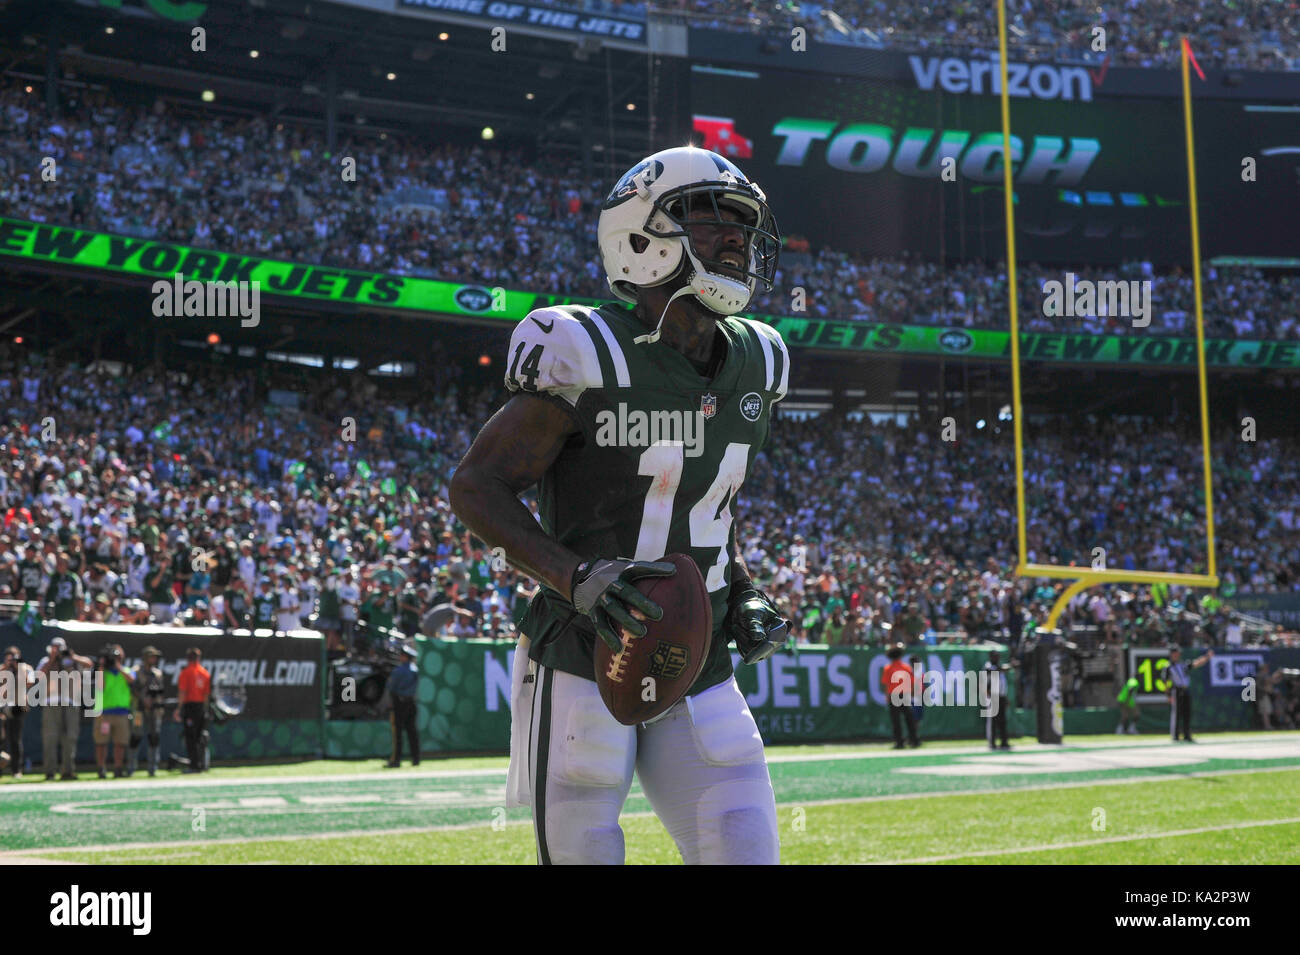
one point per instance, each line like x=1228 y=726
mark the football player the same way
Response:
x=686 y=239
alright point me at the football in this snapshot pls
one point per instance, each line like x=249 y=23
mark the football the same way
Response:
x=651 y=673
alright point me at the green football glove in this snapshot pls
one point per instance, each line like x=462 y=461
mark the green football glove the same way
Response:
x=755 y=624
x=603 y=590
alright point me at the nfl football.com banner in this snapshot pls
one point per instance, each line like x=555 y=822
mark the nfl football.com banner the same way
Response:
x=56 y=247
x=279 y=676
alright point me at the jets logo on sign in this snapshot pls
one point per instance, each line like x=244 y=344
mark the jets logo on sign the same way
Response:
x=708 y=406
x=751 y=406
x=644 y=172
x=472 y=298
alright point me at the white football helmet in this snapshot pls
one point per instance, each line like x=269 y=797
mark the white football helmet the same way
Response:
x=643 y=234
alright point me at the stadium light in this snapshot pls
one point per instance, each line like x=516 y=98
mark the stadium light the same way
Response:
x=254 y=54
x=109 y=30
x=488 y=133
x=207 y=96
x=442 y=36
x=392 y=76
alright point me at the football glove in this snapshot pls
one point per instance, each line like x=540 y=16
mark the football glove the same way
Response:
x=756 y=626
x=603 y=590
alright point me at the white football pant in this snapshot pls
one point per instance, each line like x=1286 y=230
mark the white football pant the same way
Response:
x=701 y=766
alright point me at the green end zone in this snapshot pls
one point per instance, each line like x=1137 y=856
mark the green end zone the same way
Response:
x=836 y=807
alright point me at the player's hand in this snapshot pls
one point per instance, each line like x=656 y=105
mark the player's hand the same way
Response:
x=755 y=624
x=603 y=590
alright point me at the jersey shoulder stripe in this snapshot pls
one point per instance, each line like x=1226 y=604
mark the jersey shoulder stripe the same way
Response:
x=775 y=356
x=552 y=352
x=621 y=375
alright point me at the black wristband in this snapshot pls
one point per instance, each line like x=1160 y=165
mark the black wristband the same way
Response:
x=740 y=581
x=577 y=572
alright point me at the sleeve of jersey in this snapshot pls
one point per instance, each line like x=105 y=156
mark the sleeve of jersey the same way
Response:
x=552 y=353
x=776 y=358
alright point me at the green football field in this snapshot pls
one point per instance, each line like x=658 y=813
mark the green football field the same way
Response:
x=1231 y=798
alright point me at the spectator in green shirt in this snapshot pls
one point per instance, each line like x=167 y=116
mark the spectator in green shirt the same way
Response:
x=158 y=590
x=265 y=605
x=65 y=594
x=1128 y=708
x=834 y=630
x=379 y=610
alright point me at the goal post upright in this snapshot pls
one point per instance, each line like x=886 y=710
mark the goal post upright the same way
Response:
x=1087 y=577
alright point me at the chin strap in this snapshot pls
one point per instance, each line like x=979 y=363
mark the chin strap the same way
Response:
x=652 y=337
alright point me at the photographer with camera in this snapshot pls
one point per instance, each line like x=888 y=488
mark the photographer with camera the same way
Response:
x=11 y=717
x=61 y=718
x=113 y=725
x=146 y=717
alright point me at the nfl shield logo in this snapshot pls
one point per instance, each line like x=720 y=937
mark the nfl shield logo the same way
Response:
x=708 y=406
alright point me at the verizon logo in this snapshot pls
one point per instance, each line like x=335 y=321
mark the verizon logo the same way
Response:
x=1040 y=81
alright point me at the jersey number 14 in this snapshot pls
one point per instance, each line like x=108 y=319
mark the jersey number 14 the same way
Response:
x=710 y=517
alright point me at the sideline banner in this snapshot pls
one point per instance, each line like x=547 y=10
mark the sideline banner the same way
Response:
x=281 y=676
x=814 y=695
x=58 y=246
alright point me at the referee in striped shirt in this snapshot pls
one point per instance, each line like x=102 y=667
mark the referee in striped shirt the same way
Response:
x=1180 y=692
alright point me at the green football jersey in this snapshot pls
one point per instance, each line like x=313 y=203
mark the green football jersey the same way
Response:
x=660 y=457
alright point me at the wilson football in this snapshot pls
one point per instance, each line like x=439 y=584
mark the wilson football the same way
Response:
x=653 y=672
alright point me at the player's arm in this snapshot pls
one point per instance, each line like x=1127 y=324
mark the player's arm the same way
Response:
x=512 y=452
x=551 y=363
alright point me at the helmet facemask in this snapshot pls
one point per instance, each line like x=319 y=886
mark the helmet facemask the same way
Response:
x=721 y=287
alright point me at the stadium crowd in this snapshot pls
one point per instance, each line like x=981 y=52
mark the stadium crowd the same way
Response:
x=1225 y=33
x=198 y=497
x=480 y=215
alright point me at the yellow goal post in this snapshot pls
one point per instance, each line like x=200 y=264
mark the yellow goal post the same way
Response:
x=1085 y=577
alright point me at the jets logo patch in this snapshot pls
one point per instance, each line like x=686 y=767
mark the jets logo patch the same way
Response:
x=648 y=170
x=751 y=406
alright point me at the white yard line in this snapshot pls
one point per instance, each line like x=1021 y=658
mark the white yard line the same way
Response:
x=358 y=833
x=1047 y=847
x=1279 y=739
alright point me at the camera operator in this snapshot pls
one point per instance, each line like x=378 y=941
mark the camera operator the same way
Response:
x=61 y=718
x=195 y=687
x=147 y=715
x=11 y=717
x=114 y=723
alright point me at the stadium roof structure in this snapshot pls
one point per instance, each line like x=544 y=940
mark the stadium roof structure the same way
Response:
x=378 y=72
